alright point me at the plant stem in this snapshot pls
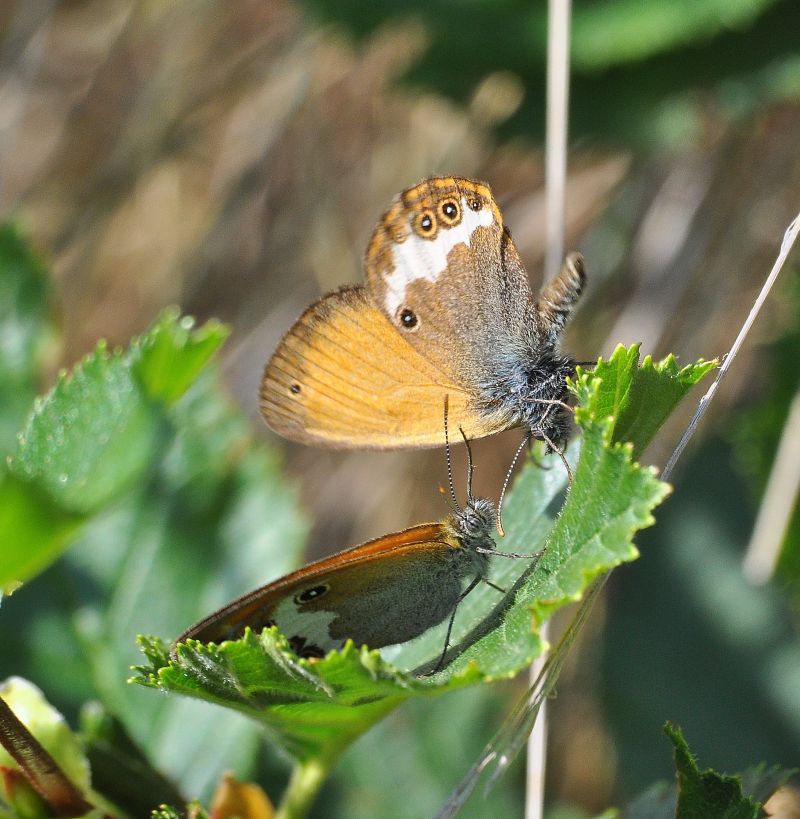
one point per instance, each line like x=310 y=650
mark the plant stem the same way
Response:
x=558 y=65
x=306 y=780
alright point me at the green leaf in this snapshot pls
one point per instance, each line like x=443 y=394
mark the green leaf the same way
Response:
x=169 y=356
x=25 y=332
x=216 y=516
x=314 y=709
x=611 y=499
x=97 y=429
x=640 y=404
x=33 y=529
x=659 y=801
x=618 y=31
x=707 y=793
x=212 y=512
x=92 y=437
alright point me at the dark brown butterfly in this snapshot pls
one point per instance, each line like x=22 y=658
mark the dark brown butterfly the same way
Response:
x=386 y=591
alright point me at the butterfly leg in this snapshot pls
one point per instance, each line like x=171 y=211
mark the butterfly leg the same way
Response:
x=554 y=402
x=560 y=295
x=438 y=667
x=533 y=457
x=560 y=452
x=494 y=585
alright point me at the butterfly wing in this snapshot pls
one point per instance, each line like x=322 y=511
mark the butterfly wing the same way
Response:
x=344 y=377
x=446 y=274
x=386 y=591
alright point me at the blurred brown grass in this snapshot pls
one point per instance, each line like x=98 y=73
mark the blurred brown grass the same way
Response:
x=232 y=157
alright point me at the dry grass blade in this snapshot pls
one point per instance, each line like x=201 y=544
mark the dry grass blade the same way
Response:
x=780 y=497
x=789 y=238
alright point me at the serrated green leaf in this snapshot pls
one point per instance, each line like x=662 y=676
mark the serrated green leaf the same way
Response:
x=640 y=399
x=218 y=514
x=169 y=356
x=90 y=436
x=659 y=801
x=25 y=332
x=611 y=498
x=93 y=436
x=214 y=512
x=707 y=793
x=315 y=709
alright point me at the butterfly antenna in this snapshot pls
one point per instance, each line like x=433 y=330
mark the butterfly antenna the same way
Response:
x=449 y=459
x=500 y=530
x=470 y=466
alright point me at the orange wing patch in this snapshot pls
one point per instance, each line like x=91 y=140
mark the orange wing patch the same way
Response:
x=344 y=377
x=394 y=228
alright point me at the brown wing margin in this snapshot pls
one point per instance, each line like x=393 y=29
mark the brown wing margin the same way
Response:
x=344 y=377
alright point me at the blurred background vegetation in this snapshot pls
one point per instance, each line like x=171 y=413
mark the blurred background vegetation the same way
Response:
x=232 y=157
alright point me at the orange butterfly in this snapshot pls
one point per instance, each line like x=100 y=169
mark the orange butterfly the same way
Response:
x=447 y=311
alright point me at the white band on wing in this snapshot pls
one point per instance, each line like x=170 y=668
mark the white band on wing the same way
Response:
x=417 y=258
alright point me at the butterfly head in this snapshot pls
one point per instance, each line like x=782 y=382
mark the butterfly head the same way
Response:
x=477 y=519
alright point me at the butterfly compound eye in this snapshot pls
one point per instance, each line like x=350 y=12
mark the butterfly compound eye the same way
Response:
x=408 y=319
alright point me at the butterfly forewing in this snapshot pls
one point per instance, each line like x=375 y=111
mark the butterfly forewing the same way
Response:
x=446 y=275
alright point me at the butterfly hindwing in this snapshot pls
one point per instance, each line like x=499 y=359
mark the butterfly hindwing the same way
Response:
x=386 y=591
